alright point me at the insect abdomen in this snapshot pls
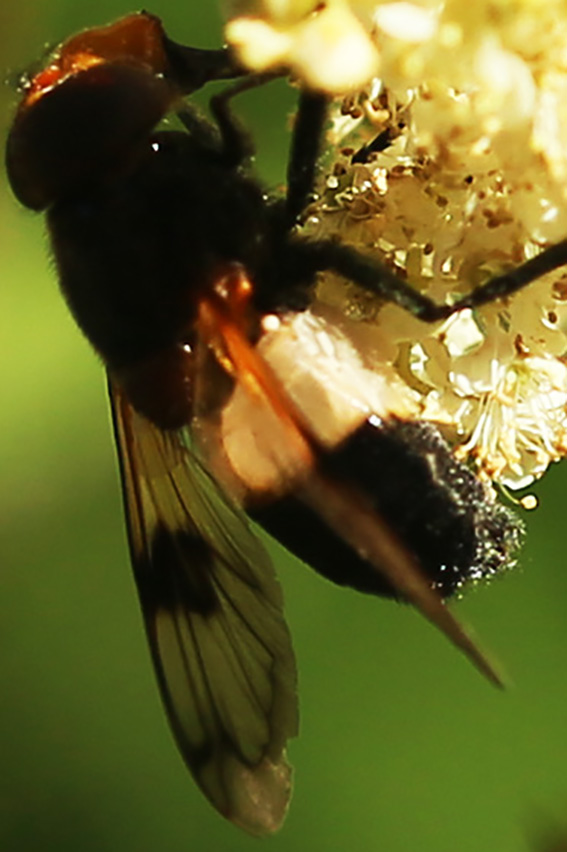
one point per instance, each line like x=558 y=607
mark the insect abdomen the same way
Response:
x=433 y=503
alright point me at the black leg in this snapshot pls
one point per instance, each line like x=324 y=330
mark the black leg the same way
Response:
x=193 y=67
x=304 y=154
x=204 y=133
x=236 y=143
x=226 y=138
x=305 y=258
x=510 y=282
x=311 y=256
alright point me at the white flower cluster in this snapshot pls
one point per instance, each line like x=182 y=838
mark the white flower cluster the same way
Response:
x=472 y=181
x=325 y=44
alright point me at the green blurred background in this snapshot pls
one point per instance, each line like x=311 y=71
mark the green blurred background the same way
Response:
x=402 y=746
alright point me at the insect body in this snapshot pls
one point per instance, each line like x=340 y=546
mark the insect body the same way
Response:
x=194 y=289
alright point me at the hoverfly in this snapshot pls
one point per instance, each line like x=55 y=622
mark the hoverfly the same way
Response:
x=232 y=395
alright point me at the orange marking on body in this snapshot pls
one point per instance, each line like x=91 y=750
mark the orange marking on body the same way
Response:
x=223 y=317
x=134 y=40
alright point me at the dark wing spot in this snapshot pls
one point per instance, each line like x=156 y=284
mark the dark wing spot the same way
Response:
x=178 y=571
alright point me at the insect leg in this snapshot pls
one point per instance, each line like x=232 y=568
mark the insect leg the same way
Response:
x=307 y=257
x=304 y=154
x=509 y=283
x=312 y=256
x=192 y=67
x=236 y=143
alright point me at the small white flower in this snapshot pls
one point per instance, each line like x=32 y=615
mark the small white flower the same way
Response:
x=474 y=182
x=326 y=46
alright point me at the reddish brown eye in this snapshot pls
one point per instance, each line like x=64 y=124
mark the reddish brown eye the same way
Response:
x=85 y=116
x=136 y=39
x=83 y=131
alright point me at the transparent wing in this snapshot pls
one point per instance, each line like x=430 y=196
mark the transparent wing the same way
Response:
x=213 y=612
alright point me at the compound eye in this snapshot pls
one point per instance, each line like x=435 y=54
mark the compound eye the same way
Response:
x=83 y=131
x=84 y=117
